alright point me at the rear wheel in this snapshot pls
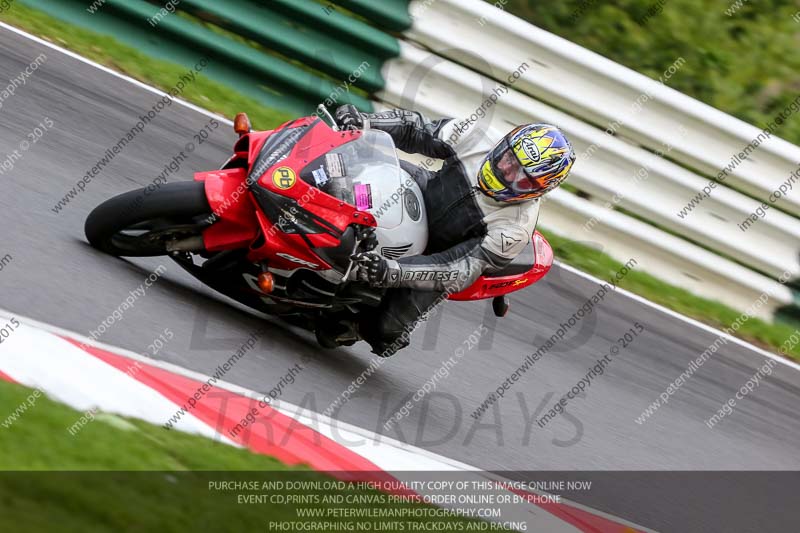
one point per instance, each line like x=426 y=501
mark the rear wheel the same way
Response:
x=144 y=224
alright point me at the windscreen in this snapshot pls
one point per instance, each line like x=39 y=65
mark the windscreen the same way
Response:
x=348 y=165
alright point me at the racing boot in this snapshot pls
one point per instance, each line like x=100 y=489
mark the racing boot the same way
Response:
x=332 y=333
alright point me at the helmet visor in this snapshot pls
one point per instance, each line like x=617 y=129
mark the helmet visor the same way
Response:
x=509 y=170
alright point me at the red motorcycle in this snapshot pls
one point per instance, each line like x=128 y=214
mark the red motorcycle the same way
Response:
x=275 y=228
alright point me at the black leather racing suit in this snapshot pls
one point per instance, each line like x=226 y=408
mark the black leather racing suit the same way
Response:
x=469 y=233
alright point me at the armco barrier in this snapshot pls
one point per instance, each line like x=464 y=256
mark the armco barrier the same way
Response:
x=270 y=78
x=390 y=14
x=660 y=254
x=354 y=47
x=602 y=92
x=665 y=256
x=204 y=40
x=424 y=81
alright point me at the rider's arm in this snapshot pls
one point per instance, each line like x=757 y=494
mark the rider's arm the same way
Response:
x=508 y=232
x=458 y=267
x=413 y=133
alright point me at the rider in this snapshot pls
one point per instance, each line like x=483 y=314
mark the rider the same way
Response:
x=482 y=208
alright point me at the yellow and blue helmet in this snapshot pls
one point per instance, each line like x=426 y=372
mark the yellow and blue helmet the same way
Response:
x=526 y=163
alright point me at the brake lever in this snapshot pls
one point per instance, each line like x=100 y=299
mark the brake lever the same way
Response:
x=350 y=265
x=367 y=234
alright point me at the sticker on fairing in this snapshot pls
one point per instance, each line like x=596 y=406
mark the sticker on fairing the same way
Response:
x=334 y=164
x=363 y=196
x=320 y=178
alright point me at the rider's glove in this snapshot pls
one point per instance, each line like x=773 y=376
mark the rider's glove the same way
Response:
x=349 y=118
x=377 y=271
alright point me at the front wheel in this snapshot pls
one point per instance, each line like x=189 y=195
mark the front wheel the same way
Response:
x=144 y=224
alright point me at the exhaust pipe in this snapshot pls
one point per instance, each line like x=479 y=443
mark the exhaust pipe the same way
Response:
x=190 y=244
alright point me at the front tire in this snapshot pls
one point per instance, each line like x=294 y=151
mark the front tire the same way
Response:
x=142 y=223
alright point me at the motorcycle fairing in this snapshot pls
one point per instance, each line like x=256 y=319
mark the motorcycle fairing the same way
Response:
x=319 y=233
x=521 y=277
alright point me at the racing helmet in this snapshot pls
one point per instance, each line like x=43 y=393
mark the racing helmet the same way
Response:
x=529 y=161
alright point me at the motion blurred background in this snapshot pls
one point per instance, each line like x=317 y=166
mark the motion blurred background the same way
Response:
x=647 y=144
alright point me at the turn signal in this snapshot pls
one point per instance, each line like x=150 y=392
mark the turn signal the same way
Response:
x=266 y=282
x=241 y=124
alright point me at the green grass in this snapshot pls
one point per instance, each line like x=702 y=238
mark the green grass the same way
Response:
x=120 y=474
x=598 y=264
x=224 y=100
x=107 y=51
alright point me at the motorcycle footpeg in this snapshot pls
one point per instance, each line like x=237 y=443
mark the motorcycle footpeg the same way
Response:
x=500 y=306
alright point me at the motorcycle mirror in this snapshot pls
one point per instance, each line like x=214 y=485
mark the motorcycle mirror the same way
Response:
x=241 y=124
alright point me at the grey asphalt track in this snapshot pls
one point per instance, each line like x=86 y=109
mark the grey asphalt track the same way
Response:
x=57 y=278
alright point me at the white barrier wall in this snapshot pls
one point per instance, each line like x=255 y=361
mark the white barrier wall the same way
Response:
x=665 y=256
x=613 y=171
x=604 y=93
